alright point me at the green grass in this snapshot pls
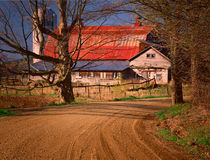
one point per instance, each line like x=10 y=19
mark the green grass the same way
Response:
x=125 y=98
x=199 y=135
x=64 y=103
x=176 y=110
x=167 y=135
x=161 y=114
x=78 y=102
x=196 y=139
x=133 y=98
x=58 y=104
x=4 y=112
x=48 y=95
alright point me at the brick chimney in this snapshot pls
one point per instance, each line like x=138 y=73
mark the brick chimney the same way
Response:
x=138 y=22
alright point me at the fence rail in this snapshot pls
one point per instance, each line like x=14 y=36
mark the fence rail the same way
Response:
x=96 y=91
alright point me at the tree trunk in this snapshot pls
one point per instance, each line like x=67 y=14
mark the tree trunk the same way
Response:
x=200 y=93
x=176 y=90
x=176 y=83
x=176 y=79
x=66 y=89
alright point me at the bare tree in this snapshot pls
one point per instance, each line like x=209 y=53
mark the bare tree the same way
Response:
x=196 y=38
x=16 y=30
x=184 y=26
x=168 y=32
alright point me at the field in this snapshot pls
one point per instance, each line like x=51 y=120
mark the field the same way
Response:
x=39 y=97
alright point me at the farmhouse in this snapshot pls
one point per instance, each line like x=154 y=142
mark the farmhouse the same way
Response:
x=151 y=63
x=148 y=64
x=112 y=53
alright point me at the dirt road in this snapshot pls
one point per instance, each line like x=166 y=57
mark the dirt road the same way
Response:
x=106 y=131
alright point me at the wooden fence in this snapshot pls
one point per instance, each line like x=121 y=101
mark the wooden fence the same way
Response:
x=96 y=91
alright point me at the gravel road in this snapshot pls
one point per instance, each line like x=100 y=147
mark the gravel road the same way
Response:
x=94 y=131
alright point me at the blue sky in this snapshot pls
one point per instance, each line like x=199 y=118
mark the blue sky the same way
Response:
x=117 y=19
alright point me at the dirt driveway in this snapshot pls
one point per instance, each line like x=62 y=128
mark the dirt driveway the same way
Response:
x=107 y=131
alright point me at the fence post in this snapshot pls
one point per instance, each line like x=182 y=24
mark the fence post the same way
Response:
x=88 y=91
x=7 y=90
x=110 y=92
x=125 y=93
x=133 y=84
x=99 y=88
x=42 y=90
x=168 y=90
x=29 y=92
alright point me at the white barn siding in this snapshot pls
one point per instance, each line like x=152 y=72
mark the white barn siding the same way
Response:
x=159 y=65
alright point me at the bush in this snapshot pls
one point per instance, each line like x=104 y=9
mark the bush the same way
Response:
x=4 y=112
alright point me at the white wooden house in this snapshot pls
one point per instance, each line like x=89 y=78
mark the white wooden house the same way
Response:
x=151 y=63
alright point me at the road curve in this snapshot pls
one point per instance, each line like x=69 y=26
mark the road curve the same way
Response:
x=95 y=131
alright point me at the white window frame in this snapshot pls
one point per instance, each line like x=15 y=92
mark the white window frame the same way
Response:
x=77 y=75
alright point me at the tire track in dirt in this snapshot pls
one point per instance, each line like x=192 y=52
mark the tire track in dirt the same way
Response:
x=95 y=143
x=108 y=144
x=125 y=137
x=152 y=143
x=105 y=131
x=76 y=148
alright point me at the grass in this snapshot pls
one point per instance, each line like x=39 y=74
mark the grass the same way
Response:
x=49 y=95
x=186 y=141
x=4 y=112
x=199 y=135
x=134 y=97
x=167 y=135
x=176 y=110
x=161 y=114
x=196 y=144
x=58 y=104
x=78 y=102
x=64 y=103
x=196 y=135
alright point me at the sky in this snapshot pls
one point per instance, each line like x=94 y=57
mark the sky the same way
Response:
x=116 y=19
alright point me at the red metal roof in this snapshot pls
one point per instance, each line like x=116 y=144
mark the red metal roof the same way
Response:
x=104 y=42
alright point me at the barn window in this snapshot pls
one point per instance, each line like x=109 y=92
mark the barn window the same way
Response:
x=150 y=55
x=115 y=75
x=92 y=74
x=158 y=77
x=78 y=75
x=103 y=75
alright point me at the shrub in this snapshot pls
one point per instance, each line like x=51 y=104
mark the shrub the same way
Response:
x=4 y=112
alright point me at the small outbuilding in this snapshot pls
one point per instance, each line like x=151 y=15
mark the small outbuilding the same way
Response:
x=152 y=63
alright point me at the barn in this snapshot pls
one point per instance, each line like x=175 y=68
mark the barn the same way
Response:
x=113 y=53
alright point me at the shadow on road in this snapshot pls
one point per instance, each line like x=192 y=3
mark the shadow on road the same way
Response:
x=126 y=109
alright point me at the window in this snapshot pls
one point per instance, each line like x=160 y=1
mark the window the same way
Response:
x=115 y=75
x=150 y=55
x=92 y=74
x=78 y=75
x=158 y=77
x=103 y=75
